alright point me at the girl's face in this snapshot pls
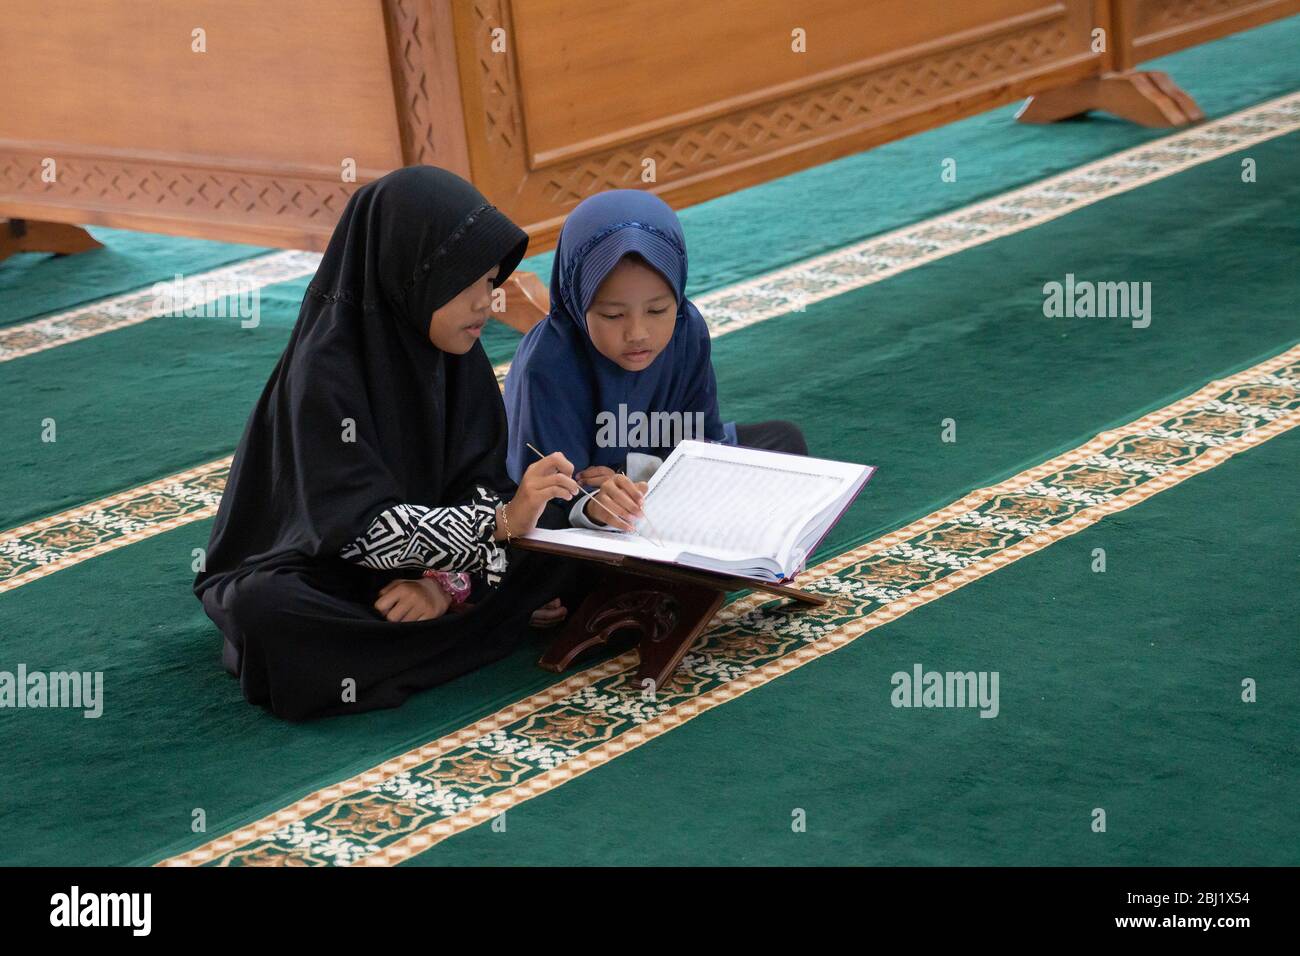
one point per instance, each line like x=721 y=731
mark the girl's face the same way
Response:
x=458 y=324
x=632 y=316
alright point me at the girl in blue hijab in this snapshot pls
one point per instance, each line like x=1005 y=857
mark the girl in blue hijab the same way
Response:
x=620 y=370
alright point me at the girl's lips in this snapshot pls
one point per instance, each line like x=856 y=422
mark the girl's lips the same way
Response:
x=637 y=356
x=476 y=329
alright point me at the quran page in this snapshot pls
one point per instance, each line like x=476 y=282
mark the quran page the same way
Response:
x=734 y=509
x=729 y=509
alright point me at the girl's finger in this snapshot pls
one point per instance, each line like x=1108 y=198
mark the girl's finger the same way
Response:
x=559 y=463
x=628 y=505
x=567 y=486
x=610 y=514
x=627 y=485
x=539 y=483
x=546 y=468
x=557 y=490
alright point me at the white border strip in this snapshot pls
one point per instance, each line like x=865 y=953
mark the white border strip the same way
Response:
x=132 y=308
x=794 y=287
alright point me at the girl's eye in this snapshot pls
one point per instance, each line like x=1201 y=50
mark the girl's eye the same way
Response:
x=604 y=316
x=658 y=311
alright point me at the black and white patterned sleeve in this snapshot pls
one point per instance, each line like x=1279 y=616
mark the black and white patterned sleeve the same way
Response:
x=457 y=538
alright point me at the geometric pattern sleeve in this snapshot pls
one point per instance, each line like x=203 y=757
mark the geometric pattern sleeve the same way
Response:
x=458 y=538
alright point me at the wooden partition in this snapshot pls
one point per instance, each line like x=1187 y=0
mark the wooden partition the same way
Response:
x=1147 y=29
x=111 y=113
x=244 y=141
x=716 y=94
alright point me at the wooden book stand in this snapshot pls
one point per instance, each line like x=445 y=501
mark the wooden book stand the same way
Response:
x=669 y=606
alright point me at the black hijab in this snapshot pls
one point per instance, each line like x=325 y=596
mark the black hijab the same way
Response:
x=429 y=426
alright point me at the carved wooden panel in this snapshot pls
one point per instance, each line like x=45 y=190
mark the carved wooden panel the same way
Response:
x=426 y=85
x=237 y=205
x=1155 y=28
x=541 y=102
x=904 y=66
x=120 y=113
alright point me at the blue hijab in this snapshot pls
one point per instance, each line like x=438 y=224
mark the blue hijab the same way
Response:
x=559 y=383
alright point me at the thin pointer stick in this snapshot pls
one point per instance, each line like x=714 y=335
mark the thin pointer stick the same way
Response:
x=592 y=498
x=589 y=496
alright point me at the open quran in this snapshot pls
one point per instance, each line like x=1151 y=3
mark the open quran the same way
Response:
x=738 y=511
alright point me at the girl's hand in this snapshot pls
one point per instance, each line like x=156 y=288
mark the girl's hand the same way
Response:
x=547 y=478
x=421 y=599
x=618 y=503
x=595 y=476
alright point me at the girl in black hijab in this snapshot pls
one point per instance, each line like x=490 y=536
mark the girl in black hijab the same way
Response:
x=373 y=468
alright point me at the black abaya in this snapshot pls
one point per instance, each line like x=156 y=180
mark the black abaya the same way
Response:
x=363 y=413
x=296 y=635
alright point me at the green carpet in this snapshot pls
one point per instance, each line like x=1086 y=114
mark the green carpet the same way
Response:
x=1119 y=690
x=870 y=375
x=33 y=283
x=909 y=352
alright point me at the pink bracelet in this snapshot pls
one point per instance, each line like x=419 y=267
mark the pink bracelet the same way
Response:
x=455 y=583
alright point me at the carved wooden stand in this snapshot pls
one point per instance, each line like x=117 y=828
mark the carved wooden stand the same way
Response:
x=668 y=607
x=1149 y=98
x=26 y=235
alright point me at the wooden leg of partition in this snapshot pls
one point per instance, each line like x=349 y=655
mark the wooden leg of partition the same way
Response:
x=527 y=301
x=1148 y=98
x=1176 y=93
x=26 y=235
